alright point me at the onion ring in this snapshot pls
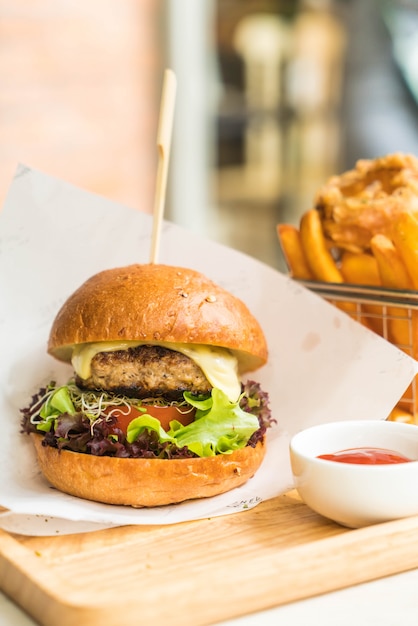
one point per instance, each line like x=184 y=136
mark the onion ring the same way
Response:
x=364 y=201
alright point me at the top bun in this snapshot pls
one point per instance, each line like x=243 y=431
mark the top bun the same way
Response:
x=157 y=303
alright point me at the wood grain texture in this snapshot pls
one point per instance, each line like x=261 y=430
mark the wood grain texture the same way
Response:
x=198 y=572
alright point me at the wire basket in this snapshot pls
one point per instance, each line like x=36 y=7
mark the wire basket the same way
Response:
x=393 y=314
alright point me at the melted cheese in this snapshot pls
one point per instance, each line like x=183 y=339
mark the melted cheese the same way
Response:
x=218 y=364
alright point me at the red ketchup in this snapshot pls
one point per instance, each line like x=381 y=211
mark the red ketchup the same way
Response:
x=366 y=456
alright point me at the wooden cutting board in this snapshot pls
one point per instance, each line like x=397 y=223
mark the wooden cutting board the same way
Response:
x=199 y=572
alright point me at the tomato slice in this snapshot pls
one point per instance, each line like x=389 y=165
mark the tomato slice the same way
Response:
x=165 y=414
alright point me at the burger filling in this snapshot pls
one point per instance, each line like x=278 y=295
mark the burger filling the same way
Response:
x=145 y=371
x=109 y=407
x=209 y=366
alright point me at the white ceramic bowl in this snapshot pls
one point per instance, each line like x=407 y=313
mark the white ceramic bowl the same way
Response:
x=351 y=494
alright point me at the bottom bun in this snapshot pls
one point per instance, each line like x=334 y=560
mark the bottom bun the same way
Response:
x=146 y=482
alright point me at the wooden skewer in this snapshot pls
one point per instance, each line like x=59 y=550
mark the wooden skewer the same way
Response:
x=165 y=127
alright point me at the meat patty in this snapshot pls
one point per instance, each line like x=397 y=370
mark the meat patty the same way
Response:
x=145 y=371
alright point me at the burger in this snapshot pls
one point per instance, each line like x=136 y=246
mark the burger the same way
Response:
x=154 y=411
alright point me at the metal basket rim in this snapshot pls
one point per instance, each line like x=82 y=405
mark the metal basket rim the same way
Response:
x=363 y=293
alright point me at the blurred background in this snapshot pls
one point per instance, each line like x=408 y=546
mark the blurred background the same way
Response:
x=273 y=97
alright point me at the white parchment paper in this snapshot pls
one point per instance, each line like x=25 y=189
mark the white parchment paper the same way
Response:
x=322 y=365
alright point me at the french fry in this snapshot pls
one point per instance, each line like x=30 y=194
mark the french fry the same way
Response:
x=406 y=338
x=394 y=275
x=408 y=402
x=392 y=260
x=362 y=269
x=318 y=256
x=289 y=238
x=405 y=238
x=401 y=415
x=391 y=267
x=401 y=327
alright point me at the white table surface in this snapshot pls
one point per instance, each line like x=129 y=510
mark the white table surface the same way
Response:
x=391 y=601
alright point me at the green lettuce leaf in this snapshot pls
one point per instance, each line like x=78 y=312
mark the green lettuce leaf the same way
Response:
x=57 y=403
x=146 y=422
x=220 y=426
